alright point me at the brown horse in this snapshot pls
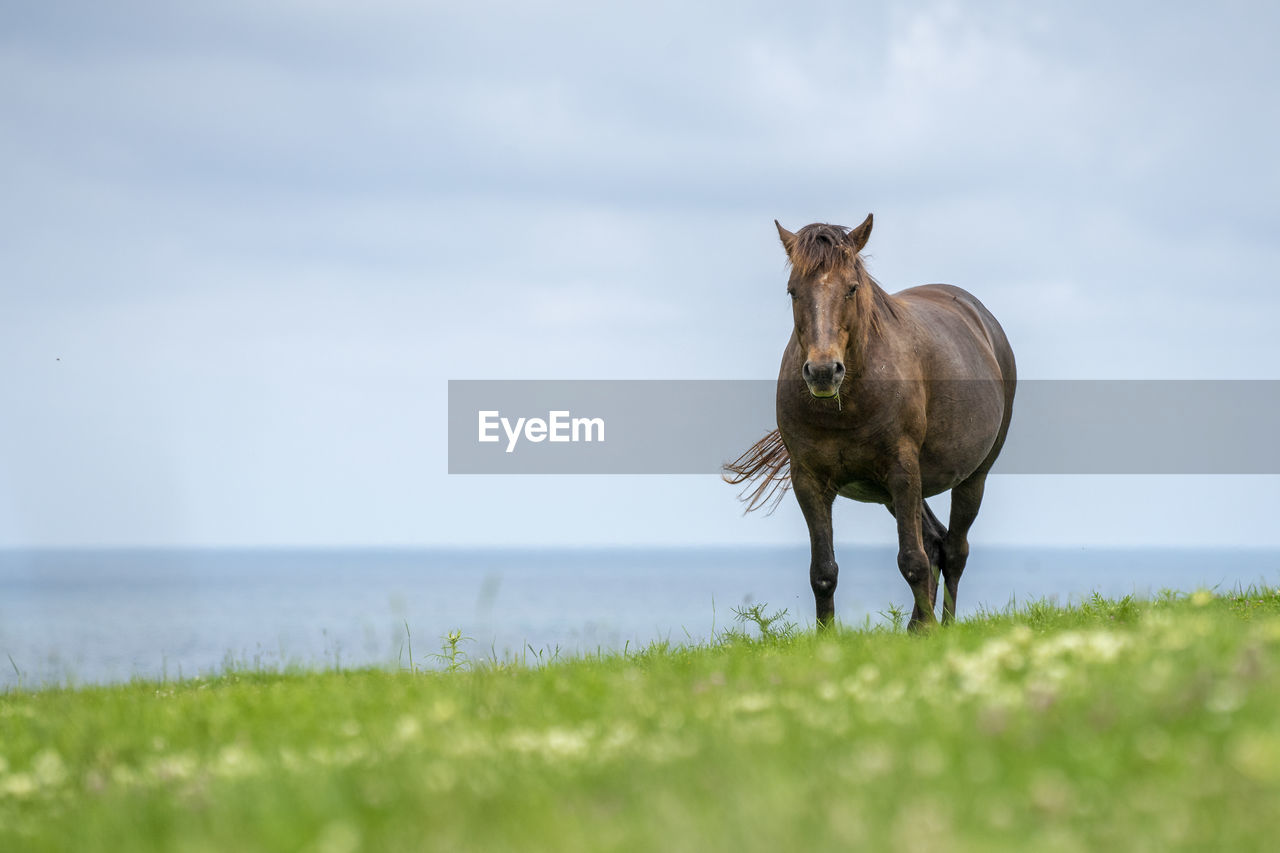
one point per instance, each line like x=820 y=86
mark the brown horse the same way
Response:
x=884 y=399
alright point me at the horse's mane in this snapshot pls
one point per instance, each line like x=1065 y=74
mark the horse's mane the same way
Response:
x=819 y=248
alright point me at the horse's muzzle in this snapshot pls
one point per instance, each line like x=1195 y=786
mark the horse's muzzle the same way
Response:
x=823 y=378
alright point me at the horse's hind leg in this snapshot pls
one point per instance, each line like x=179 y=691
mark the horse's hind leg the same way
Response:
x=965 y=500
x=934 y=535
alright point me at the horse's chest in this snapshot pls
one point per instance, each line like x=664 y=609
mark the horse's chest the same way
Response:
x=856 y=464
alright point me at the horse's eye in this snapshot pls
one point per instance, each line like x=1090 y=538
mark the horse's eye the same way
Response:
x=849 y=295
x=791 y=291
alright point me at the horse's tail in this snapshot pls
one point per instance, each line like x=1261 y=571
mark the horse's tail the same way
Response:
x=765 y=469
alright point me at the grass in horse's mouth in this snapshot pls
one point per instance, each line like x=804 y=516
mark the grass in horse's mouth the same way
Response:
x=833 y=395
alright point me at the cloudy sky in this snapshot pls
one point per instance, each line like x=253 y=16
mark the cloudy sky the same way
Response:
x=245 y=245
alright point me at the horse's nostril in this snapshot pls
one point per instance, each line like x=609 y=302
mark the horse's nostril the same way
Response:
x=807 y=371
x=839 y=368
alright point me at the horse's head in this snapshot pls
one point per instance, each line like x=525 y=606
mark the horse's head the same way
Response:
x=830 y=290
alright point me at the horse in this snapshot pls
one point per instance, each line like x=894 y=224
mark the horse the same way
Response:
x=882 y=398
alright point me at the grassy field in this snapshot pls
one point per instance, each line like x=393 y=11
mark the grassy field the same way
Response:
x=1110 y=725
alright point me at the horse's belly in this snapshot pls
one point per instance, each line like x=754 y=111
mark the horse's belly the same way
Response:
x=959 y=440
x=943 y=481
x=866 y=491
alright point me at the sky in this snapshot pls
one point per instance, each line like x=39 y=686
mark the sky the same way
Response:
x=246 y=245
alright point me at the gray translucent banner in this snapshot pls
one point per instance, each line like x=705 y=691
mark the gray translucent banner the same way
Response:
x=695 y=426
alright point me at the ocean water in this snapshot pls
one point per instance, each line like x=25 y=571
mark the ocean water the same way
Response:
x=76 y=617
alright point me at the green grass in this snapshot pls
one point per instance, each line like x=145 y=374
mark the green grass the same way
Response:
x=1108 y=725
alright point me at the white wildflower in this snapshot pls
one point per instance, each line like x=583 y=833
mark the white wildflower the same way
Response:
x=752 y=702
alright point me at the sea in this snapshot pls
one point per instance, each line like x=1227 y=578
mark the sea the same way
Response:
x=78 y=617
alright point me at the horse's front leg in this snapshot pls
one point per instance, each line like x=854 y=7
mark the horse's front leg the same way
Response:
x=913 y=560
x=815 y=501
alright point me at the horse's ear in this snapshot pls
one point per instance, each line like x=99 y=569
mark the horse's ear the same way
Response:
x=857 y=238
x=788 y=239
